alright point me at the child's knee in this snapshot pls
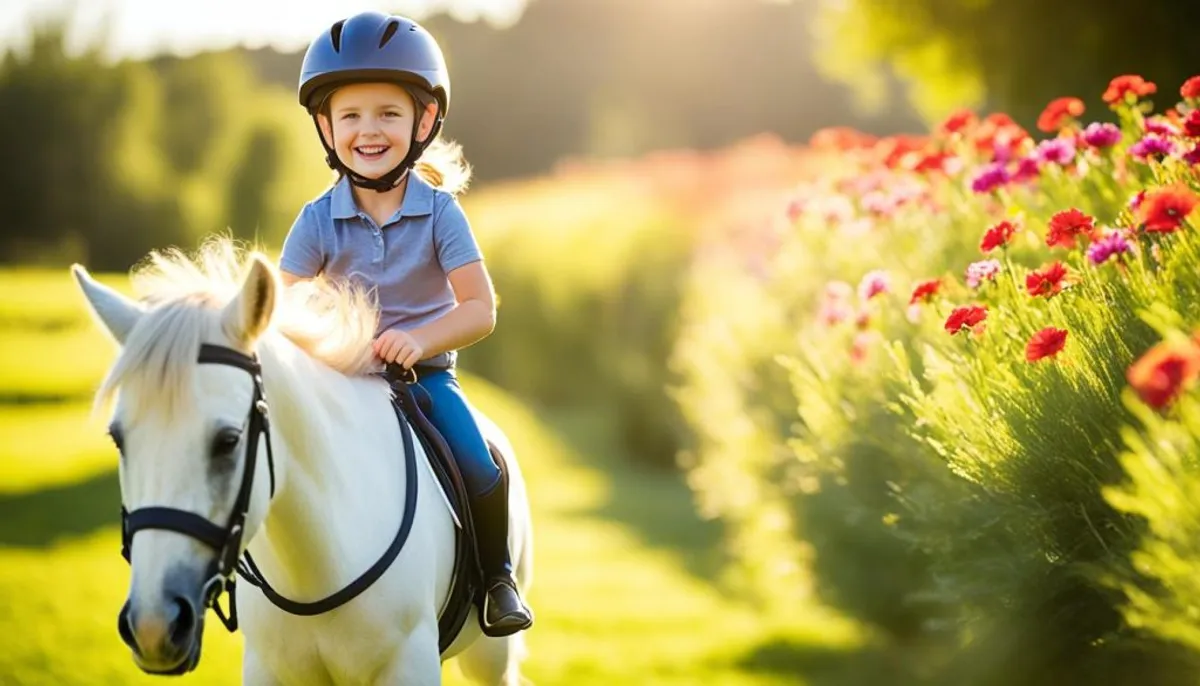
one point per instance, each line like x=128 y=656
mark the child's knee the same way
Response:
x=480 y=475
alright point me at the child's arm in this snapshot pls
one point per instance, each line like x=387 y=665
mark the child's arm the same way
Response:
x=471 y=320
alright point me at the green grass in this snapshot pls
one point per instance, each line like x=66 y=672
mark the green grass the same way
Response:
x=46 y=297
x=622 y=589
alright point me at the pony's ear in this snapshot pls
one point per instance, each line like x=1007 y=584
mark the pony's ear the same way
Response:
x=246 y=317
x=118 y=313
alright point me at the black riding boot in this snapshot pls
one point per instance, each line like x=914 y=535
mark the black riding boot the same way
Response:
x=504 y=612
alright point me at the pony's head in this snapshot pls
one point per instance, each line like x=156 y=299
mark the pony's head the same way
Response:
x=182 y=432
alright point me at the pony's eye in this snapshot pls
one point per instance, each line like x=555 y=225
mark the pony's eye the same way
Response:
x=225 y=441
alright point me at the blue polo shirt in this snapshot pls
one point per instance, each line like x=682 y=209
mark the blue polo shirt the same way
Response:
x=405 y=261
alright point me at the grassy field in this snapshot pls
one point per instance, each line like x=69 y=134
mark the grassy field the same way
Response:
x=622 y=591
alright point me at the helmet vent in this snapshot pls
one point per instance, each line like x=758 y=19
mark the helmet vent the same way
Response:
x=388 y=32
x=335 y=33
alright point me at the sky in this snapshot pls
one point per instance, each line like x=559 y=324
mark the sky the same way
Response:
x=139 y=28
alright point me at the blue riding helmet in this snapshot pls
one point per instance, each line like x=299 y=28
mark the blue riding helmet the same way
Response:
x=373 y=47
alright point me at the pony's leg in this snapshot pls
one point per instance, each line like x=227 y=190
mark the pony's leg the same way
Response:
x=494 y=661
x=419 y=664
x=255 y=673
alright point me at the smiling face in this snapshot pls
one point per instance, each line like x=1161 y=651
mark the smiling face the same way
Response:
x=371 y=125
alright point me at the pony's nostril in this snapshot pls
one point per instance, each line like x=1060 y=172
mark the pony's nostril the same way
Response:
x=181 y=620
x=125 y=627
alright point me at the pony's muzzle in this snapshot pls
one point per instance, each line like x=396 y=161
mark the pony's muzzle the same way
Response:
x=164 y=638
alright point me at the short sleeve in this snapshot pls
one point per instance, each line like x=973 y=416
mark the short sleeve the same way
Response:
x=303 y=252
x=452 y=237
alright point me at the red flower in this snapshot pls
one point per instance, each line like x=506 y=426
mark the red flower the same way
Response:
x=1057 y=112
x=1191 y=125
x=1190 y=88
x=1122 y=86
x=932 y=162
x=1163 y=210
x=1046 y=343
x=970 y=317
x=997 y=236
x=959 y=121
x=1047 y=281
x=1164 y=371
x=925 y=291
x=1066 y=225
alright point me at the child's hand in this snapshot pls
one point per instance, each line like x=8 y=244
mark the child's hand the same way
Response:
x=400 y=347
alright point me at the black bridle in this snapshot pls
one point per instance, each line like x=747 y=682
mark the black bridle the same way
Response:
x=227 y=540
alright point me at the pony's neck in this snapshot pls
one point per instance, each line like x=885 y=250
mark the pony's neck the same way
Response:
x=324 y=524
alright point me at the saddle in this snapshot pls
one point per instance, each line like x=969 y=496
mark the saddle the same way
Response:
x=466 y=582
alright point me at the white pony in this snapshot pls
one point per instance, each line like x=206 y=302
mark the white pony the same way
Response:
x=324 y=488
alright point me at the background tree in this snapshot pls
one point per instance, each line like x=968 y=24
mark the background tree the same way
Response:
x=1011 y=55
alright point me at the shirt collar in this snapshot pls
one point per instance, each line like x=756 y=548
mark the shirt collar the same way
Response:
x=418 y=198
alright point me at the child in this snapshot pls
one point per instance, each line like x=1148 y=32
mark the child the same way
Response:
x=378 y=90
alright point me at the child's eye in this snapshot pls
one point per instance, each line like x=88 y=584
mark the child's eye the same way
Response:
x=350 y=115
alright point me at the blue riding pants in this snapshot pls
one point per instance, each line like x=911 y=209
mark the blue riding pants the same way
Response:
x=451 y=414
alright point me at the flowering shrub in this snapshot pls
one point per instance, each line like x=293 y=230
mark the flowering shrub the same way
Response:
x=982 y=335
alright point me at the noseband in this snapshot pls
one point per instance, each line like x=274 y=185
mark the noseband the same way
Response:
x=227 y=540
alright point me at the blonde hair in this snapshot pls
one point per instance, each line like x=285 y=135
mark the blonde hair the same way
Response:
x=442 y=166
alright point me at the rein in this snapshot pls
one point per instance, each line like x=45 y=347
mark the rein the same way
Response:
x=231 y=557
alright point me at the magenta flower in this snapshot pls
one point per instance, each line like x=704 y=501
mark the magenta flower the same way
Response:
x=992 y=177
x=1060 y=151
x=1027 y=169
x=1192 y=156
x=984 y=270
x=1113 y=243
x=1101 y=135
x=1152 y=145
x=872 y=284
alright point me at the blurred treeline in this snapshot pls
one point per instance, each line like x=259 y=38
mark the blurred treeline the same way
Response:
x=107 y=161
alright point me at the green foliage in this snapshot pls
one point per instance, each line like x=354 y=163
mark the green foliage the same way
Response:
x=1161 y=461
x=1012 y=55
x=118 y=159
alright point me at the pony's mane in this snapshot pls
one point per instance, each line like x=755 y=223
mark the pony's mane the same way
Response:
x=332 y=323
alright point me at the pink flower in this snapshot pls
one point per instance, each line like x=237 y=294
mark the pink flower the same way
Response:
x=1060 y=151
x=1152 y=145
x=1113 y=243
x=984 y=270
x=1101 y=135
x=873 y=284
x=1136 y=201
x=1161 y=127
x=1192 y=156
x=835 y=303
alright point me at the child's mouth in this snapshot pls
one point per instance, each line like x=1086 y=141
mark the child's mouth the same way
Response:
x=371 y=153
